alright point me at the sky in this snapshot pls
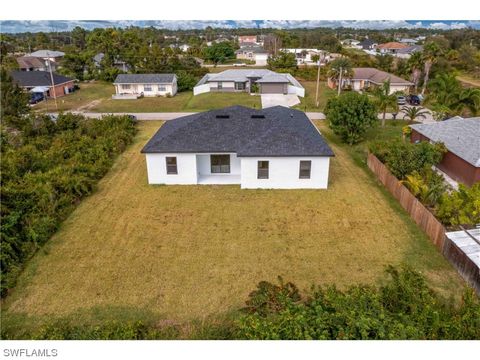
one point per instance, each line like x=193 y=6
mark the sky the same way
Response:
x=10 y=26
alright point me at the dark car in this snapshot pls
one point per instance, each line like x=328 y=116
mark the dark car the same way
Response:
x=413 y=100
x=35 y=98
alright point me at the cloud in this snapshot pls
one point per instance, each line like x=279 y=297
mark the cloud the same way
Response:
x=64 y=25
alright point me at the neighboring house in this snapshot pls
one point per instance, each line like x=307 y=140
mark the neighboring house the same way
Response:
x=367 y=44
x=408 y=51
x=462 y=139
x=274 y=148
x=51 y=55
x=119 y=64
x=41 y=81
x=409 y=42
x=304 y=56
x=248 y=39
x=246 y=80
x=253 y=52
x=31 y=63
x=364 y=78
x=132 y=86
x=351 y=43
x=390 y=48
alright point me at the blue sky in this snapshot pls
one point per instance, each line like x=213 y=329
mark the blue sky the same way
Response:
x=8 y=26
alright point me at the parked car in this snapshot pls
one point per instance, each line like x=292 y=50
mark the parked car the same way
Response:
x=36 y=97
x=401 y=100
x=414 y=99
x=239 y=64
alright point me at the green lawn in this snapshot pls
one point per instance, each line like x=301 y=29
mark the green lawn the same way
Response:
x=179 y=253
x=175 y=103
x=209 y=101
x=308 y=102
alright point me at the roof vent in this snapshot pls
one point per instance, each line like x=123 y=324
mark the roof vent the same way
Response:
x=258 y=116
x=222 y=116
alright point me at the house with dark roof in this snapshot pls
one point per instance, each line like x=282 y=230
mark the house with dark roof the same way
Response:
x=55 y=85
x=274 y=148
x=133 y=86
x=365 y=78
x=461 y=137
x=367 y=44
x=248 y=80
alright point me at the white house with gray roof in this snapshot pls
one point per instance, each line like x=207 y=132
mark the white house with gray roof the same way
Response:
x=132 y=86
x=246 y=80
x=274 y=148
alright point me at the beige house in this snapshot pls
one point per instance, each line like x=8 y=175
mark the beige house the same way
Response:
x=132 y=86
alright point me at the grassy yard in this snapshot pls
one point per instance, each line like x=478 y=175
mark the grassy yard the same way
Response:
x=469 y=80
x=308 y=102
x=178 y=253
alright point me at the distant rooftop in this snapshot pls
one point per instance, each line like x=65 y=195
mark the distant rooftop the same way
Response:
x=144 y=79
x=378 y=76
x=47 y=54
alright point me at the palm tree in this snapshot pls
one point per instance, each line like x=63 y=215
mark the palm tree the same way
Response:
x=384 y=99
x=431 y=51
x=340 y=68
x=415 y=65
x=413 y=112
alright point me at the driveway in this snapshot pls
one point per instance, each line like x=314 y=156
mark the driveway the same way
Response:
x=269 y=100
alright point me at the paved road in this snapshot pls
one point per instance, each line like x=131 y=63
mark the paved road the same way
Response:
x=171 y=115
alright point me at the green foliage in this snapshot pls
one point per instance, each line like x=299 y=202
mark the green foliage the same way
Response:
x=460 y=207
x=350 y=115
x=385 y=62
x=46 y=173
x=185 y=80
x=219 y=52
x=411 y=113
x=404 y=158
x=427 y=186
x=404 y=308
x=384 y=100
x=14 y=101
x=282 y=61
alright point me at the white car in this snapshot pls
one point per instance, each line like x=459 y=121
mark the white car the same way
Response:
x=239 y=64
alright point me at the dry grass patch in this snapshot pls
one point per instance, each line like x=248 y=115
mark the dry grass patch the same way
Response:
x=185 y=252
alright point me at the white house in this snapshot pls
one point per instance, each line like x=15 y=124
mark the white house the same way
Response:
x=274 y=148
x=249 y=80
x=131 y=86
x=254 y=53
x=304 y=56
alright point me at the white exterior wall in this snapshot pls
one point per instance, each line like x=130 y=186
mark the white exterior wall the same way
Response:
x=296 y=90
x=200 y=89
x=140 y=88
x=284 y=173
x=225 y=84
x=186 y=169
x=394 y=88
x=261 y=59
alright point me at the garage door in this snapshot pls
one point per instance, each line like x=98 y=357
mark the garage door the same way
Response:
x=273 y=88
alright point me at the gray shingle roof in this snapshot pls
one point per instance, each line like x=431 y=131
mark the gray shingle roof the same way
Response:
x=144 y=79
x=378 y=76
x=47 y=53
x=460 y=136
x=282 y=132
x=252 y=48
x=37 y=78
x=242 y=75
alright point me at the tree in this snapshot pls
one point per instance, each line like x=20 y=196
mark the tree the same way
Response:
x=14 y=101
x=415 y=64
x=219 y=52
x=385 y=62
x=340 y=68
x=282 y=61
x=384 y=100
x=413 y=112
x=431 y=51
x=186 y=81
x=350 y=115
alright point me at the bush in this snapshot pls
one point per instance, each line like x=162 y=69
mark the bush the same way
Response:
x=44 y=176
x=404 y=308
x=460 y=207
x=404 y=158
x=186 y=81
x=350 y=115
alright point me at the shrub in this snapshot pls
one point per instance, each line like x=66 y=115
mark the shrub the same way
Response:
x=350 y=115
x=186 y=81
x=460 y=207
x=404 y=308
x=44 y=176
x=403 y=158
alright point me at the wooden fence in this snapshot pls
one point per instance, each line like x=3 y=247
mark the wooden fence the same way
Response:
x=418 y=212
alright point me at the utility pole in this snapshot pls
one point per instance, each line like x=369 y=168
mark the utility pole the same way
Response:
x=52 y=81
x=318 y=78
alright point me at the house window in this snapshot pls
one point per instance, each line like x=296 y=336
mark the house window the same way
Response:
x=162 y=88
x=219 y=85
x=239 y=86
x=220 y=164
x=171 y=165
x=125 y=86
x=305 y=169
x=147 y=87
x=262 y=172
